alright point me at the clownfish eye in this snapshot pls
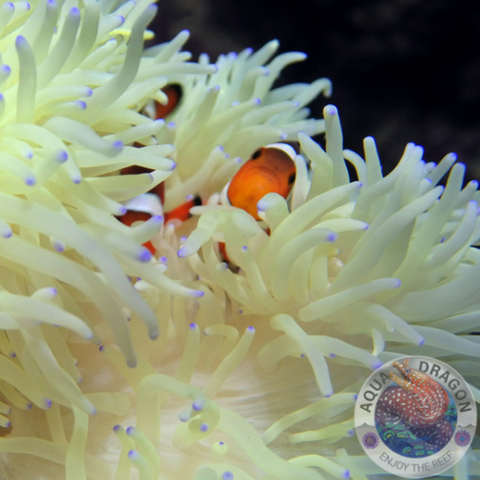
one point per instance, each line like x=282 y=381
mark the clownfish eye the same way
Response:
x=291 y=178
x=256 y=154
x=407 y=370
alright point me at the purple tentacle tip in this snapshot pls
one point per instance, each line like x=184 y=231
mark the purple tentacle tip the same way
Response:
x=193 y=326
x=251 y=329
x=7 y=234
x=75 y=12
x=331 y=237
x=377 y=364
x=421 y=342
x=204 y=427
x=355 y=396
x=101 y=348
x=117 y=145
x=130 y=430
x=346 y=473
x=331 y=110
x=30 y=181
x=20 y=41
x=48 y=403
x=116 y=428
x=62 y=156
x=145 y=256
x=59 y=247
x=133 y=455
x=197 y=406
x=227 y=476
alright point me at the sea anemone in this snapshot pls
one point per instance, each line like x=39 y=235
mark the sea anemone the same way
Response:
x=119 y=364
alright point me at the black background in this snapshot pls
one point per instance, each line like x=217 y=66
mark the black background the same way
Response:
x=402 y=70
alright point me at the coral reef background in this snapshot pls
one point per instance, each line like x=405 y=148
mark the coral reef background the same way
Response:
x=402 y=70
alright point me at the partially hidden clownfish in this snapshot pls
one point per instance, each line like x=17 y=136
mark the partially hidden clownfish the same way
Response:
x=270 y=169
x=143 y=207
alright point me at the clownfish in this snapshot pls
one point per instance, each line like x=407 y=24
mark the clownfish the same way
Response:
x=270 y=169
x=137 y=213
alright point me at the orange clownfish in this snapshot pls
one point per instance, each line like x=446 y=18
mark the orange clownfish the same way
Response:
x=270 y=169
x=173 y=93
